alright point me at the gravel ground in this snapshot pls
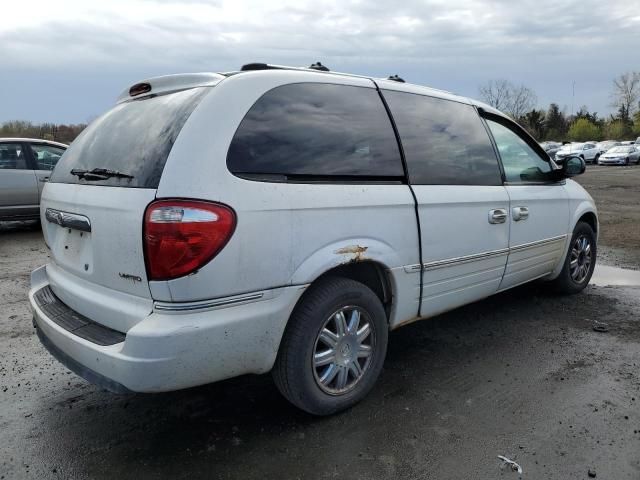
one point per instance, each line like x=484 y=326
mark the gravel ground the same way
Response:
x=616 y=191
x=521 y=374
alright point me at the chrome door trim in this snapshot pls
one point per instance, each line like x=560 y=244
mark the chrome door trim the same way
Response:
x=481 y=256
x=537 y=243
x=204 y=304
x=416 y=267
x=466 y=259
x=68 y=220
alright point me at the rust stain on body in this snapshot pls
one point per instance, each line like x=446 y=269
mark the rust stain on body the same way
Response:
x=356 y=250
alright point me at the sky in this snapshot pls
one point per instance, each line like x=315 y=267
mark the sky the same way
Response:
x=66 y=61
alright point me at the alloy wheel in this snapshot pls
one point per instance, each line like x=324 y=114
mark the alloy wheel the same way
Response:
x=343 y=350
x=581 y=258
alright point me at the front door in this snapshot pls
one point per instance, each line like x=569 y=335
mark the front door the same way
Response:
x=539 y=207
x=462 y=205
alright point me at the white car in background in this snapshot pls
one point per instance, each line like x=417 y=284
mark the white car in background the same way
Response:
x=607 y=145
x=589 y=152
x=621 y=155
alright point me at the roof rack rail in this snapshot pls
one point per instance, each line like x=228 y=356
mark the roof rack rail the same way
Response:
x=259 y=66
x=395 y=78
x=318 y=66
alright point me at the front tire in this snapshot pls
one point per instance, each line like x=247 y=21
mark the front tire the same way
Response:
x=333 y=348
x=580 y=261
x=596 y=160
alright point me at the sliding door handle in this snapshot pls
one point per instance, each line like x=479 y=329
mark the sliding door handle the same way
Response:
x=499 y=215
x=520 y=213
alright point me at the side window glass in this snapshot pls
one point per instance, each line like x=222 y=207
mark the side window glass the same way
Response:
x=314 y=129
x=445 y=142
x=12 y=157
x=46 y=156
x=521 y=162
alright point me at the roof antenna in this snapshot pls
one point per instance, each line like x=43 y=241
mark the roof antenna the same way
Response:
x=318 y=66
x=395 y=78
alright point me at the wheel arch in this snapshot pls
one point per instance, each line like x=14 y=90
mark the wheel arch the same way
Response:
x=366 y=260
x=590 y=219
x=370 y=273
x=584 y=212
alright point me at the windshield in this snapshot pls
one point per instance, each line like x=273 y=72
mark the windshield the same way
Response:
x=620 y=150
x=133 y=139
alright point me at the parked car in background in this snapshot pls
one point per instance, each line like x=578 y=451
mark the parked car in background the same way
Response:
x=628 y=142
x=589 y=152
x=620 y=155
x=183 y=255
x=551 y=148
x=606 y=145
x=25 y=165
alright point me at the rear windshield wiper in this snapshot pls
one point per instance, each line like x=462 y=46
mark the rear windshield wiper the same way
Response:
x=99 y=174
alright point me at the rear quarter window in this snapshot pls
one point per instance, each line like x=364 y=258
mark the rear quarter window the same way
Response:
x=134 y=138
x=314 y=130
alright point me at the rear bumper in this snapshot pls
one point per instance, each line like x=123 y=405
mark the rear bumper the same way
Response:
x=78 y=368
x=168 y=351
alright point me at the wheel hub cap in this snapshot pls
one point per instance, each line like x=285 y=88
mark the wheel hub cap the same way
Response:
x=581 y=259
x=343 y=350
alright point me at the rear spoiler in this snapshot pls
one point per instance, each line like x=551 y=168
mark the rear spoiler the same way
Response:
x=169 y=83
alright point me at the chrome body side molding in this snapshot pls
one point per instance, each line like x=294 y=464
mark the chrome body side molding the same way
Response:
x=538 y=243
x=205 y=304
x=481 y=256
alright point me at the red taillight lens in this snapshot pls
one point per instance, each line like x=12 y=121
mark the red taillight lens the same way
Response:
x=180 y=236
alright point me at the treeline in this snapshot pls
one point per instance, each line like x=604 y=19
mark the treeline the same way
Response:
x=47 y=131
x=555 y=124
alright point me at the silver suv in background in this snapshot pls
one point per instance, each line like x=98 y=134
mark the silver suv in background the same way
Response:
x=589 y=152
x=25 y=165
x=281 y=219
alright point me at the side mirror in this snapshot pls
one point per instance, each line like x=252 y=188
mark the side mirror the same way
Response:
x=573 y=166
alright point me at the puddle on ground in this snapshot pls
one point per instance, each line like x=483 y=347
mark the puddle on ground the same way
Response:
x=604 y=276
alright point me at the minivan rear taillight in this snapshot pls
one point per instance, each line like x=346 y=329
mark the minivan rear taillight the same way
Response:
x=180 y=236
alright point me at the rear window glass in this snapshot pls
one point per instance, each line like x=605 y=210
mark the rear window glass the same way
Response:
x=133 y=138
x=316 y=130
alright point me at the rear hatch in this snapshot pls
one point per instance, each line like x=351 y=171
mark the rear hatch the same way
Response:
x=93 y=207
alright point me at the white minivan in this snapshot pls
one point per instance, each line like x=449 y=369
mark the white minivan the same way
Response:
x=284 y=219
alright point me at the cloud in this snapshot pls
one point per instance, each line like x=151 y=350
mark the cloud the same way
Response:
x=456 y=43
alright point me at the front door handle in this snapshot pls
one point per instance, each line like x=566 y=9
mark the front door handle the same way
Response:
x=520 y=213
x=499 y=215
x=44 y=179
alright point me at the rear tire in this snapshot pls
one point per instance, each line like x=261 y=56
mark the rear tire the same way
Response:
x=626 y=161
x=579 y=262
x=315 y=367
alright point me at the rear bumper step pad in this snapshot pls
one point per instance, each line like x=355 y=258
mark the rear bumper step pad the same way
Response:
x=73 y=322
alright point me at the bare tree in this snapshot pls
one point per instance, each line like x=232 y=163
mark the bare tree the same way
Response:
x=509 y=98
x=523 y=99
x=496 y=93
x=626 y=92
